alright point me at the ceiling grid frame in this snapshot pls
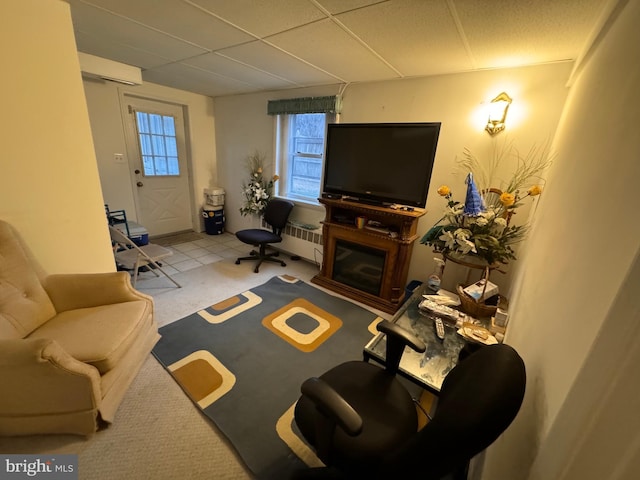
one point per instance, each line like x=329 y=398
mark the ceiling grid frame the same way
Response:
x=284 y=44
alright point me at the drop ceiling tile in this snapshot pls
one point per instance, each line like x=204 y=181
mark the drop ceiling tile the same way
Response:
x=118 y=52
x=195 y=80
x=194 y=25
x=312 y=42
x=114 y=29
x=262 y=17
x=526 y=32
x=339 y=6
x=330 y=48
x=275 y=61
x=215 y=63
x=416 y=37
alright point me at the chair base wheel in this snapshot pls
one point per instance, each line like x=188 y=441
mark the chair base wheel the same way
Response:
x=237 y=262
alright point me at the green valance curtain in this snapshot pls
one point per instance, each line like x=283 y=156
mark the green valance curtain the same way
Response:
x=290 y=106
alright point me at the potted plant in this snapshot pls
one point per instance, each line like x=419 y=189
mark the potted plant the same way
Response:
x=479 y=230
x=258 y=190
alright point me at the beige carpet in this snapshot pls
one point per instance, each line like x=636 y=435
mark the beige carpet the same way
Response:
x=158 y=433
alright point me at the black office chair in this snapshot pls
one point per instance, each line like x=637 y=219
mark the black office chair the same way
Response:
x=362 y=422
x=276 y=214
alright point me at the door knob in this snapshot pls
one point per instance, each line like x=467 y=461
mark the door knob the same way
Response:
x=139 y=184
x=136 y=171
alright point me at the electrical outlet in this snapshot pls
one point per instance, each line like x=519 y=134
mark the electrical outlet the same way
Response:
x=118 y=157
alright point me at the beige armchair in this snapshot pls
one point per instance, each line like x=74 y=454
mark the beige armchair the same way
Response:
x=70 y=345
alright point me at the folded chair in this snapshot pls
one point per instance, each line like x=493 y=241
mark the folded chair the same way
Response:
x=132 y=257
x=362 y=422
x=276 y=215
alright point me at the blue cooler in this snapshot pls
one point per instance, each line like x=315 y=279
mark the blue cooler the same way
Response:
x=136 y=232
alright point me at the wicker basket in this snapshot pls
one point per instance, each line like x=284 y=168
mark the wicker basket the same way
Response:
x=476 y=309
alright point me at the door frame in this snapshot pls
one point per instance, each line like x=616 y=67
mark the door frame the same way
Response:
x=131 y=142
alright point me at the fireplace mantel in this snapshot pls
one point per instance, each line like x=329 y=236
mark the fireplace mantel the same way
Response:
x=390 y=231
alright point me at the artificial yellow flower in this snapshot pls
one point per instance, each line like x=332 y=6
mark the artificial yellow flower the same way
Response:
x=443 y=191
x=507 y=199
x=535 y=190
x=276 y=178
x=259 y=170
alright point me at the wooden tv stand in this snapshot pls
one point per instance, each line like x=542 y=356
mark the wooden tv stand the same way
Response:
x=387 y=237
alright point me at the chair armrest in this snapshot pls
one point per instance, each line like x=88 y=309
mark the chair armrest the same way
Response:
x=397 y=339
x=332 y=405
x=84 y=290
x=406 y=337
x=39 y=377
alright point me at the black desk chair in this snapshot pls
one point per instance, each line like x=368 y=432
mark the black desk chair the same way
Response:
x=276 y=214
x=363 y=423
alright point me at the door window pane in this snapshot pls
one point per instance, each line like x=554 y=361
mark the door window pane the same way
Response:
x=172 y=149
x=173 y=166
x=169 y=126
x=145 y=144
x=143 y=123
x=158 y=145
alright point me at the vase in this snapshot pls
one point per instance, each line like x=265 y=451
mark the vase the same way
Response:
x=256 y=220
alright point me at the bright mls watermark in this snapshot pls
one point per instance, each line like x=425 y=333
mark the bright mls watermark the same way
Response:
x=53 y=467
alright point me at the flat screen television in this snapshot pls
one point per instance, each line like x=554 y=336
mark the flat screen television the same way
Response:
x=380 y=163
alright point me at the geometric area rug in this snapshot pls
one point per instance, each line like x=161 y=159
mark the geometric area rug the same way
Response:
x=242 y=361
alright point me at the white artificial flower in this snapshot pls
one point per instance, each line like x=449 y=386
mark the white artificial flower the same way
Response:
x=259 y=193
x=465 y=246
x=480 y=220
x=462 y=234
x=448 y=239
x=490 y=214
x=499 y=224
x=457 y=209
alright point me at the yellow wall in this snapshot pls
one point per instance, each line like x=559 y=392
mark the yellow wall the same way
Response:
x=577 y=294
x=539 y=92
x=49 y=186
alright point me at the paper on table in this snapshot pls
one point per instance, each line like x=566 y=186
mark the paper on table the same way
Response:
x=475 y=334
x=444 y=297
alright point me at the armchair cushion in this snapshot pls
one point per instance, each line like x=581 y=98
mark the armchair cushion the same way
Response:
x=99 y=336
x=71 y=291
x=24 y=304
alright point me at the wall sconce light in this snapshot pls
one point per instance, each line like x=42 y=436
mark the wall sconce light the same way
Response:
x=498 y=113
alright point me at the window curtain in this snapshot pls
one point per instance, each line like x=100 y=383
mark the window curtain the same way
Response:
x=290 y=106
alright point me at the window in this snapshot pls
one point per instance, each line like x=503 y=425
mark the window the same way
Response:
x=301 y=125
x=158 y=147
x=301 y=154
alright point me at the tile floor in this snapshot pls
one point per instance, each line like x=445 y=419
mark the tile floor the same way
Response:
x=192 y=250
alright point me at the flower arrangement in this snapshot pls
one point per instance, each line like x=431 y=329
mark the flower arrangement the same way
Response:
x=257 y=191
x=479 y=228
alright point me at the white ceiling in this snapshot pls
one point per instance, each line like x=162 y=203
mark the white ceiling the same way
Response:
x=224 y=47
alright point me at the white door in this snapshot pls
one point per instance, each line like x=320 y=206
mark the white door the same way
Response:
x=156 y=146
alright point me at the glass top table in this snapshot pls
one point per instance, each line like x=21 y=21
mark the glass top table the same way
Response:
x=426 y=369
